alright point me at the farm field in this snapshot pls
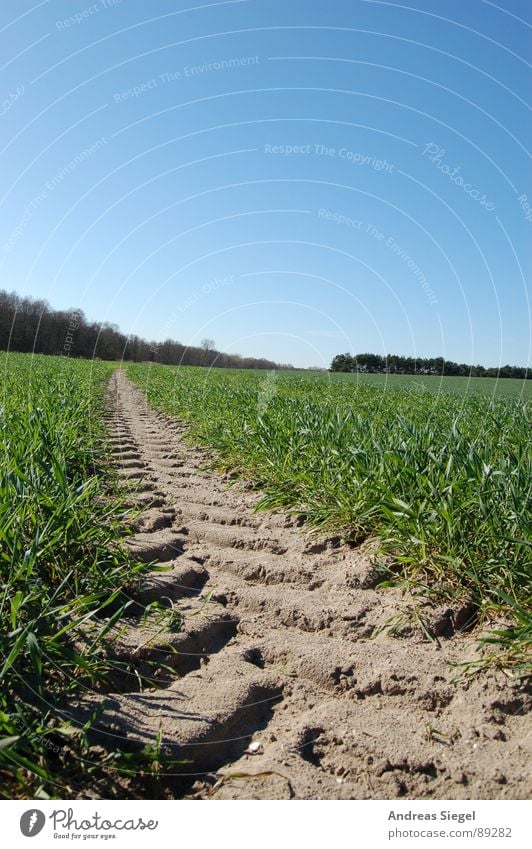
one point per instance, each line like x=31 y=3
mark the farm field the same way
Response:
x=168 y=623
x=485 y=386
x=59 y=565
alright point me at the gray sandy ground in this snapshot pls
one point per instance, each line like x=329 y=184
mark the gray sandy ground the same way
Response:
x=273 y=677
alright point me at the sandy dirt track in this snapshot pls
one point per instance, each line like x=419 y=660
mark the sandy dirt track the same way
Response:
x=281 y=682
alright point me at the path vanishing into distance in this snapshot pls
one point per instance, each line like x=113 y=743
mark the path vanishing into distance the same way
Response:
x=274 y=674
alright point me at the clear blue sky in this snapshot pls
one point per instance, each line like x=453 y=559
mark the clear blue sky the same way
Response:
x=291 y=178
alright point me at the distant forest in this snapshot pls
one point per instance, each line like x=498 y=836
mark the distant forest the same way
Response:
x=28 y=325
x=394 y=364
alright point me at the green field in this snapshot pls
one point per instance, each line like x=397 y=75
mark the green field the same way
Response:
x=487 y=386
x=60 y=564
x=441 y=478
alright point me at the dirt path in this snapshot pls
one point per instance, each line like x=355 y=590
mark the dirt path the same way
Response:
x=277 y=672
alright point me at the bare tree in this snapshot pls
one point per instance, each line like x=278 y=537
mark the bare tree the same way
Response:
x=208 y=348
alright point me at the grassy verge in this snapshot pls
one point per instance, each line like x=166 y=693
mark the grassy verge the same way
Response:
x=60 y=567
x=441 y=479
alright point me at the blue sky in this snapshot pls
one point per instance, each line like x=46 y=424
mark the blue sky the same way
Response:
x=291 y=179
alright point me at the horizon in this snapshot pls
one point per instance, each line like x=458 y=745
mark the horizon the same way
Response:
x=293 y=182
x=74 y=311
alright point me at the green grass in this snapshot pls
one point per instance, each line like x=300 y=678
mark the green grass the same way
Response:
x=60 y=568
x=487 y=386
x=441 y=478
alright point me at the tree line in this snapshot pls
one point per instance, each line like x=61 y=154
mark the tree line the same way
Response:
x=395 y=364
x=30 y=325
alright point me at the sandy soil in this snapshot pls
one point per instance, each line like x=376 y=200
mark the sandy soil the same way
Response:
x=281 y=683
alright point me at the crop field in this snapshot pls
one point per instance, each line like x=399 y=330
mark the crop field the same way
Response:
x=441 y=477
x=485 y=386
x=436 y=483
x=59 y=564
